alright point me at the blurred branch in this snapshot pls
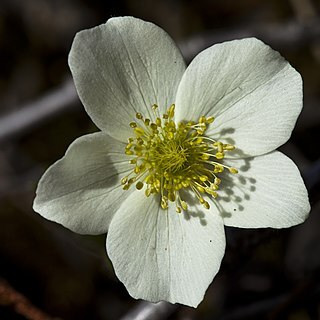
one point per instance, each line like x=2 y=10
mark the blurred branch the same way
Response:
x=34 y=114
x=9 y=297
x=28 y=117
x=290 y=35
x=146 y=310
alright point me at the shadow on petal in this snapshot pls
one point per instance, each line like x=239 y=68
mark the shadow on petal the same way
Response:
x=235 y=189
x=195 y=210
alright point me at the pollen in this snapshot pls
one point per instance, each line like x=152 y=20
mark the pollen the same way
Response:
x=169 y=157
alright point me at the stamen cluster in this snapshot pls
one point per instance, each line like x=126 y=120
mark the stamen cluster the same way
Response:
x=169 y=157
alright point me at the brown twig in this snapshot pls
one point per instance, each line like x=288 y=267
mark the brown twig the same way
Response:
x=9 y=297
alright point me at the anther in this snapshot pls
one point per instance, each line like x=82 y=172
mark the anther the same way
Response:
x=201 y=189
x=124 y=180
x=139 y=116
x=228 y=147
x=172 y=196
x=139 y=131
x=184 y=205
x=164 y=202
x=171 y=111
x=136 y=170
x=158 y=122
x=233 y=170
x=219 y=155
x=126 y=187
x=139 y=185
x=153 y=126
x=206 y=205
x=202 y=119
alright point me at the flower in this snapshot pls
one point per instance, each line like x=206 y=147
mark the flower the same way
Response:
x=181 y=153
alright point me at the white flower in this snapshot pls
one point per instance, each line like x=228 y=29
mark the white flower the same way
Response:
x=166 y=241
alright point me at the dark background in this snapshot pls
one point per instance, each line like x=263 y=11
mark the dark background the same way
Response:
x=49 y=272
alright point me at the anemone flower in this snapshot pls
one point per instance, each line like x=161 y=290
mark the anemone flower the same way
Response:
x=182 y=152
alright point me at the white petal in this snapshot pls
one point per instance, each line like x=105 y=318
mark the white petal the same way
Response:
x=162 y=255
x=82 y=190
x=268 y=191
x=255 y=95
x=122 y=67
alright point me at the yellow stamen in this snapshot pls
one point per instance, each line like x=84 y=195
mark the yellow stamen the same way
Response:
x=168 y=157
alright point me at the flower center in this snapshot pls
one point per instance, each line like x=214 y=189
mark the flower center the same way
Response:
x=168 y=157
